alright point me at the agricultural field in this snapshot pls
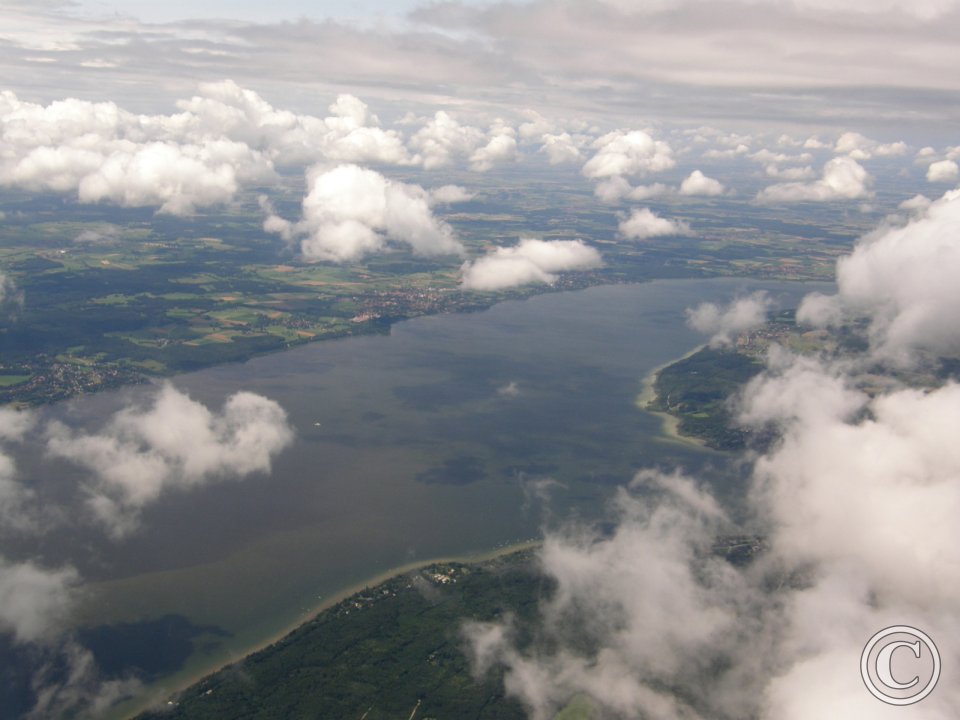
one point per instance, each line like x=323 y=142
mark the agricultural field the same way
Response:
x=115 y=296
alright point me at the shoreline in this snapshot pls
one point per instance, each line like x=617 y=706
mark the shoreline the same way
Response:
x=669 y=424
x=162 y=694
x=483 y=302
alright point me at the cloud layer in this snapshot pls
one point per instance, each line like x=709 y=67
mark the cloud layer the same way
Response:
x=693 y=56
x=857 y=500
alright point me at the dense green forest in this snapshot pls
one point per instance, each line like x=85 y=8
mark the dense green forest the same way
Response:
x=696 y=389
x=380 y=654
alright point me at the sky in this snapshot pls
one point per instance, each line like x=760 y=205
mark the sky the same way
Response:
x=178 y=107
x=886 y=66
x=356 y=11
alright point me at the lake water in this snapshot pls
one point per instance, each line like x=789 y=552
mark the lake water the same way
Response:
x=427 y=442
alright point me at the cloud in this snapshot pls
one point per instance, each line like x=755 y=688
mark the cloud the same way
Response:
x=442 y=139
x=103 y=233
x=765 y=156
x=536 y=126
x=918 y=203
x=696 y=183
x=860 y=147
x=449 y=195
x=861 y=493
x=858 y=502
x=104 y=153
x=735 y=143
x=943 y=171
x=273 y=223
x=843 y=179
x=69 y=684
x=617 y=188
x=627 y=154
x=643 y=224
x=529 y=261
x=500 y=148
x=174 y=443
x=857 y=498
x=902 y=280
x=349 y=134
x=814 y=143
x=792 y=174
x=350 y=212
x=637 y=616
x=507 y=55
x=178 y=178
x=34 y=600
x=223 y=138
x=724 y=324
x=727 y=154
x=560 y=148
x=14 y=424
x=510 y=390
x=841 y=474
x=64 y=681
x=15 y=498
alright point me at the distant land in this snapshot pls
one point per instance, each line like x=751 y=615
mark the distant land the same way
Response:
x=696 y=390
x=110 y=296
x=380 y=653
x=395 y=650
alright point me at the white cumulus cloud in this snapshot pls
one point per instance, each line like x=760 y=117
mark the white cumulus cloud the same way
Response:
x=643 y=223
x=350 y=212
x=617 y=188
x=631 y=153
x=529 y=261
x=903 y=281
x=791 y=173
x=860 y=147
x=443 y=139
x=943 y=171
x=696 y=183
x=501 y=147
x=174 y=443
x=843 y=179
x=104 y=153
x=449 y=195
x=560 y=148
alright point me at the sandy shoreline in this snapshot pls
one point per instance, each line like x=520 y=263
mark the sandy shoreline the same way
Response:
x=161 y=695
x=670 y=424
x=670 y=432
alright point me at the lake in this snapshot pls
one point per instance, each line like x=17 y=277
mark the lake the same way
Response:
x=435 y=440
